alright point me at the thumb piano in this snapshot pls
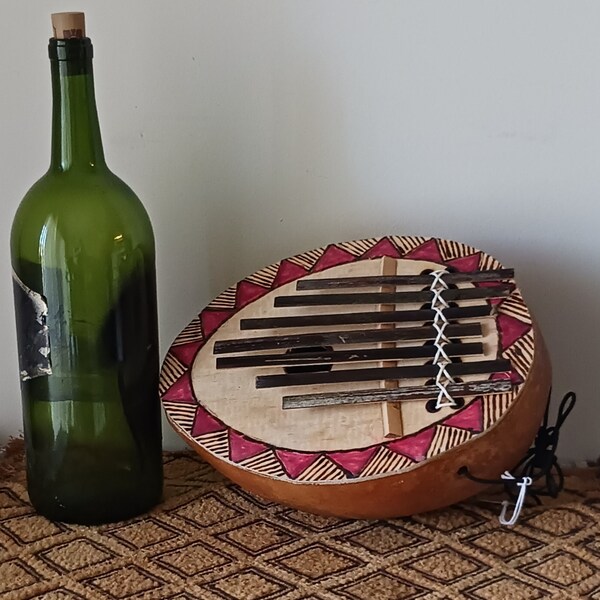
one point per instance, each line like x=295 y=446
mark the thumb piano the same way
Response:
x=357 y=379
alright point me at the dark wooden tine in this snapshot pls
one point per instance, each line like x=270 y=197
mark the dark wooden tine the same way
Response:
x=342 y=356
x=379 y=280
x=397 y=316
x=361 y=336
x=382 y=373
x=497 y=291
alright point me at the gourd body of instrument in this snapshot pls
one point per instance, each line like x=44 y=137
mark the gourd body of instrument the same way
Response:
x=357 y=379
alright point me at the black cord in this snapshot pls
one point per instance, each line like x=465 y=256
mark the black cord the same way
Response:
x=540 y=462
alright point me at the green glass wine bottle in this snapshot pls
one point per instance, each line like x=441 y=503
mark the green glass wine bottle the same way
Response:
x=83 y=263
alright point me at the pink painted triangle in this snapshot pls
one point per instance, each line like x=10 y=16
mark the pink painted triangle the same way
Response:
x=185 y=353
x=247 y=292
x=466 y=264
x=180 y=391
x=383 y=247
x=332 y=257
x=296 y=463
x=241 y=447
x=288 y=271
x=415 y=446
x=470 y=417
x=204 y=423
x=211 y=320
x=427 y=251
x=510 y=330
x=354 y=461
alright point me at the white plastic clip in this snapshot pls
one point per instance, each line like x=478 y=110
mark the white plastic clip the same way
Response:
x=522 y=485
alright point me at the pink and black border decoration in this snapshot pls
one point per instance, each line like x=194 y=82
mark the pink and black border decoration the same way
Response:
x=191 y=419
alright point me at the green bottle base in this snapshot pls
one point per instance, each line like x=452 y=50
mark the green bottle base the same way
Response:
x=58 y=514
x=85 y=502
x=86 y=491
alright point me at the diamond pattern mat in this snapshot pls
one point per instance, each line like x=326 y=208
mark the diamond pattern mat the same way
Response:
x=210 y=540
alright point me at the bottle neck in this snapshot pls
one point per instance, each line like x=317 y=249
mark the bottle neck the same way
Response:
x=76 y=140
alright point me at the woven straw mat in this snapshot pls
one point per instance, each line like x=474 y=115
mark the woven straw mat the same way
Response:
x=210 y=540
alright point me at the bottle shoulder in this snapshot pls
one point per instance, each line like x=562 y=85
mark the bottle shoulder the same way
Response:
x=80 y=208
x=91 y=193
x=56 y=188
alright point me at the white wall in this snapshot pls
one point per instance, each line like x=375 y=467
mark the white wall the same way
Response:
x=256 y=130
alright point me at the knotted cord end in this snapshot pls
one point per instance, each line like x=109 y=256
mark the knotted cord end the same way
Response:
x=540 y=463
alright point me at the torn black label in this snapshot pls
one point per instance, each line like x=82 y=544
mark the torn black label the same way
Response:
x=33 y=341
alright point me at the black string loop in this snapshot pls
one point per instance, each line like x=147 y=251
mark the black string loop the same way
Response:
x=540 y=461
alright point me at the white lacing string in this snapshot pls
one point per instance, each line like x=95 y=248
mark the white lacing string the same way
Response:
x=440 y=322
x=523 y=483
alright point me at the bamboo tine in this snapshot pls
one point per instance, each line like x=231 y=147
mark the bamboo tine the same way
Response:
x=401 y=394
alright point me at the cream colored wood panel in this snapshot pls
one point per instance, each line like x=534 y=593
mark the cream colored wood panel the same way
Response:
x=231 y=395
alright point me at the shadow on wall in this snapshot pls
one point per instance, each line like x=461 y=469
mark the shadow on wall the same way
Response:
x=568 y=318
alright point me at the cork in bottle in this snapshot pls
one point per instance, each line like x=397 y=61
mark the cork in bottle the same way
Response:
x=68 y=25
